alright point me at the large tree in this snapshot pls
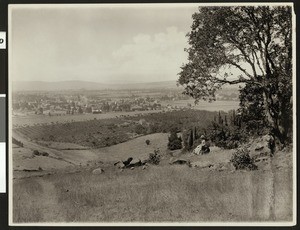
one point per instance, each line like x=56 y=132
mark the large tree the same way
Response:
x=243 y=44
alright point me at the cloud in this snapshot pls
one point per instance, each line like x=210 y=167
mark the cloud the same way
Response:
x=156 y=55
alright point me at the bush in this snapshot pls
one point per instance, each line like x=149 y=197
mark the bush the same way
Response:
x=45 y=154
x=36 y=152
x=148 y=142
x=242 y=160
x=175 y=142
x=154 y=158
x=140 y=129
x=228 y=137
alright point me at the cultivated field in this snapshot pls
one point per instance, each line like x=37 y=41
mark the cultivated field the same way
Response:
x=205 y=105
x=106 y=132
x=29 y=120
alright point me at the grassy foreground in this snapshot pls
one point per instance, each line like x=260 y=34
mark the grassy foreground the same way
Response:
x=162 y=193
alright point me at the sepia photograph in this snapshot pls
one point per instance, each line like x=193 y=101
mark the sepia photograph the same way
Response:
x=152 y=114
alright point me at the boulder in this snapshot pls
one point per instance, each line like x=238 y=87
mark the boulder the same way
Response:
x=262 y=146
x=259 y=147
x=128 y=161
x=180 y=162
x=98 y=171
x=119 y=164
x=135 y=163
x=262 y=159
x=202 y=164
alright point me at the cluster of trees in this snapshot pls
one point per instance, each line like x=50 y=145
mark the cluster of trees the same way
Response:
x=250 y=46
x=234 y=119
x=175 y=141
x=227 y=130
x=190 y=137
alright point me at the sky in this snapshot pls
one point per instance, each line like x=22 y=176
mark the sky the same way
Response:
x=98 y=43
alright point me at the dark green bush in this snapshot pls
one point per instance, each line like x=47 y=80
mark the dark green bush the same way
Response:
x=227 y=136
x=154 y=158
x=45 y=154
x=242 y=160
x=36 y=152
x=175 y=142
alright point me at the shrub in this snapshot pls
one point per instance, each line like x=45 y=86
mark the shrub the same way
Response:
x=140 y=129
x=148 y=142
x=154 y=158
x=242 y=160
x=175 y=142
x=228 y=137
x=36 y=152
x=45 y=154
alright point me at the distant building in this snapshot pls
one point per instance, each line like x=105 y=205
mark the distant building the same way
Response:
x=96 y=111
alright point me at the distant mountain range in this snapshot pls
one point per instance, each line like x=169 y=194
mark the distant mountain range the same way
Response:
x=85 y=85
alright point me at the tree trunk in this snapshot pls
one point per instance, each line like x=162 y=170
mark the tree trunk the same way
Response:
x=277 y=127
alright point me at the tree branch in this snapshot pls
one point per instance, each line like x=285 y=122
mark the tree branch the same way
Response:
x=234 y=82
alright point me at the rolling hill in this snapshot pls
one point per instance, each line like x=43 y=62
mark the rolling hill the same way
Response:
x=85 y=85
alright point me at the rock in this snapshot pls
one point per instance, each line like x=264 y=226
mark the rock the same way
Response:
x=144 y=167
x=128 y=161
x=259 y=159
x=262 y=146
x=98 y=171
x=132 y=168
x=202 y=164
x=135 y=163
x=180 y=162
x=259 y=147
x=119 y=164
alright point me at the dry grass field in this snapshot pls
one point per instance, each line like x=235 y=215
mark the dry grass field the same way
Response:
x=163 y=193
x=158 y=194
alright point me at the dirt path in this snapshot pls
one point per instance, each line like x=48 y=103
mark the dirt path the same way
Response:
x=69 y=157
x=31 y=145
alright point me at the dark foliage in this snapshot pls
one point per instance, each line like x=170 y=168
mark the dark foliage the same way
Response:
x=175 y=142
x=36 y=153
x=252 y=109
x=226 y=136
x=154 y=158
x=242 y=160
x=223 y=39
